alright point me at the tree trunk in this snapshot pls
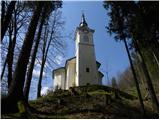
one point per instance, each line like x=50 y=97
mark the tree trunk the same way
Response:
x=3 y=11
x=40 y=80
x=156 y=59
x=41 y=72
x=31 y=66
x=9 y=61
x=44 y=57
x=15 y=92
x=148 y=80
x=156 y=49
x=4 y=66
x=135 y=78
x=7 y=18
x=10 y=54
x=11 y=51
x=16 y=88
x=42 y=65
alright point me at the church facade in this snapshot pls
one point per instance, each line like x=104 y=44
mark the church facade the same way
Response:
x=83 y=68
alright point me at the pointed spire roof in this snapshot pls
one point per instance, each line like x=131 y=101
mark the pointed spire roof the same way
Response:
x=83 y=21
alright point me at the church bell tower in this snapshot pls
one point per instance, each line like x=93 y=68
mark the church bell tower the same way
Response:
x=86 y=68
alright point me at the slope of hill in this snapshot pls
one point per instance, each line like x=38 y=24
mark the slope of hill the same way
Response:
x=85 y=102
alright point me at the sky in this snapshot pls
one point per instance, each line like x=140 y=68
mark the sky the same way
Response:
x=110 y=53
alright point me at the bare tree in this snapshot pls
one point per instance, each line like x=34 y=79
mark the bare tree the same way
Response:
x=31 y=66
x=54 y=41
x=19 y=18
x=7 y=18
x=16 y=88
x=3 y=10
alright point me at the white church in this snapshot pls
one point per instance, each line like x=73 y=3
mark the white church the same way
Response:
x=83 y=68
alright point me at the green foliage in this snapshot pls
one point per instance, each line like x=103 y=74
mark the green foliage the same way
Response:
x=131 y=19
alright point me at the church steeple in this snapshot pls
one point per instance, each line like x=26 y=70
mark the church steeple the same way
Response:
x=83 y=21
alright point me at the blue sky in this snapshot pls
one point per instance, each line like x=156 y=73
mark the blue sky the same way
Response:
x=111 y=54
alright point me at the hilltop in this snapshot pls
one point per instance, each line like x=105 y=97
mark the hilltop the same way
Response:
x=93 y=101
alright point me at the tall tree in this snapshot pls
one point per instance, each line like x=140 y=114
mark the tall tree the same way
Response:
x=17 y=22
x=50 y=40
x=9 y=57
x=3 y=10
x=33 y=58
x=44 y=57
x=146 y=31
x=7 y=18
x=133 y=15
x=16 y=88
x=148 y=79
x=118 y=25
x=49 y=7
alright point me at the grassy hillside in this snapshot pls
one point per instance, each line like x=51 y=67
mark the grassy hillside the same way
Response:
x=85 y=102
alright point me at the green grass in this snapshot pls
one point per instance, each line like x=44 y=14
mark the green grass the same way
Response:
x=99 y=92
x=81 y=107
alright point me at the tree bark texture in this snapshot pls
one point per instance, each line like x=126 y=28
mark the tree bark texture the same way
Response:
x=44 y=57
x=42 y=65
x=7 y=19
x=16 y=88
x=31 y=66
x=135 y=78
x=148 y=81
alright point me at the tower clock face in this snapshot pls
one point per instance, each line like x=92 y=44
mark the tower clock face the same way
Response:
x=86 y=39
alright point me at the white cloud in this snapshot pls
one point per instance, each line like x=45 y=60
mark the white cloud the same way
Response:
x=36 y=73
x=44 y=90
x=59 y=59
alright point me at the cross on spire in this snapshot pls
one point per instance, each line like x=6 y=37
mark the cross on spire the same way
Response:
x=83 y=21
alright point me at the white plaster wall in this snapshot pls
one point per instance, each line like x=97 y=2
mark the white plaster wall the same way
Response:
x=63 y=79
x=85 y=59
x=77 y=69
x=77 y=59
x=59 y=79
x=67 y=78
x=71 y=70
